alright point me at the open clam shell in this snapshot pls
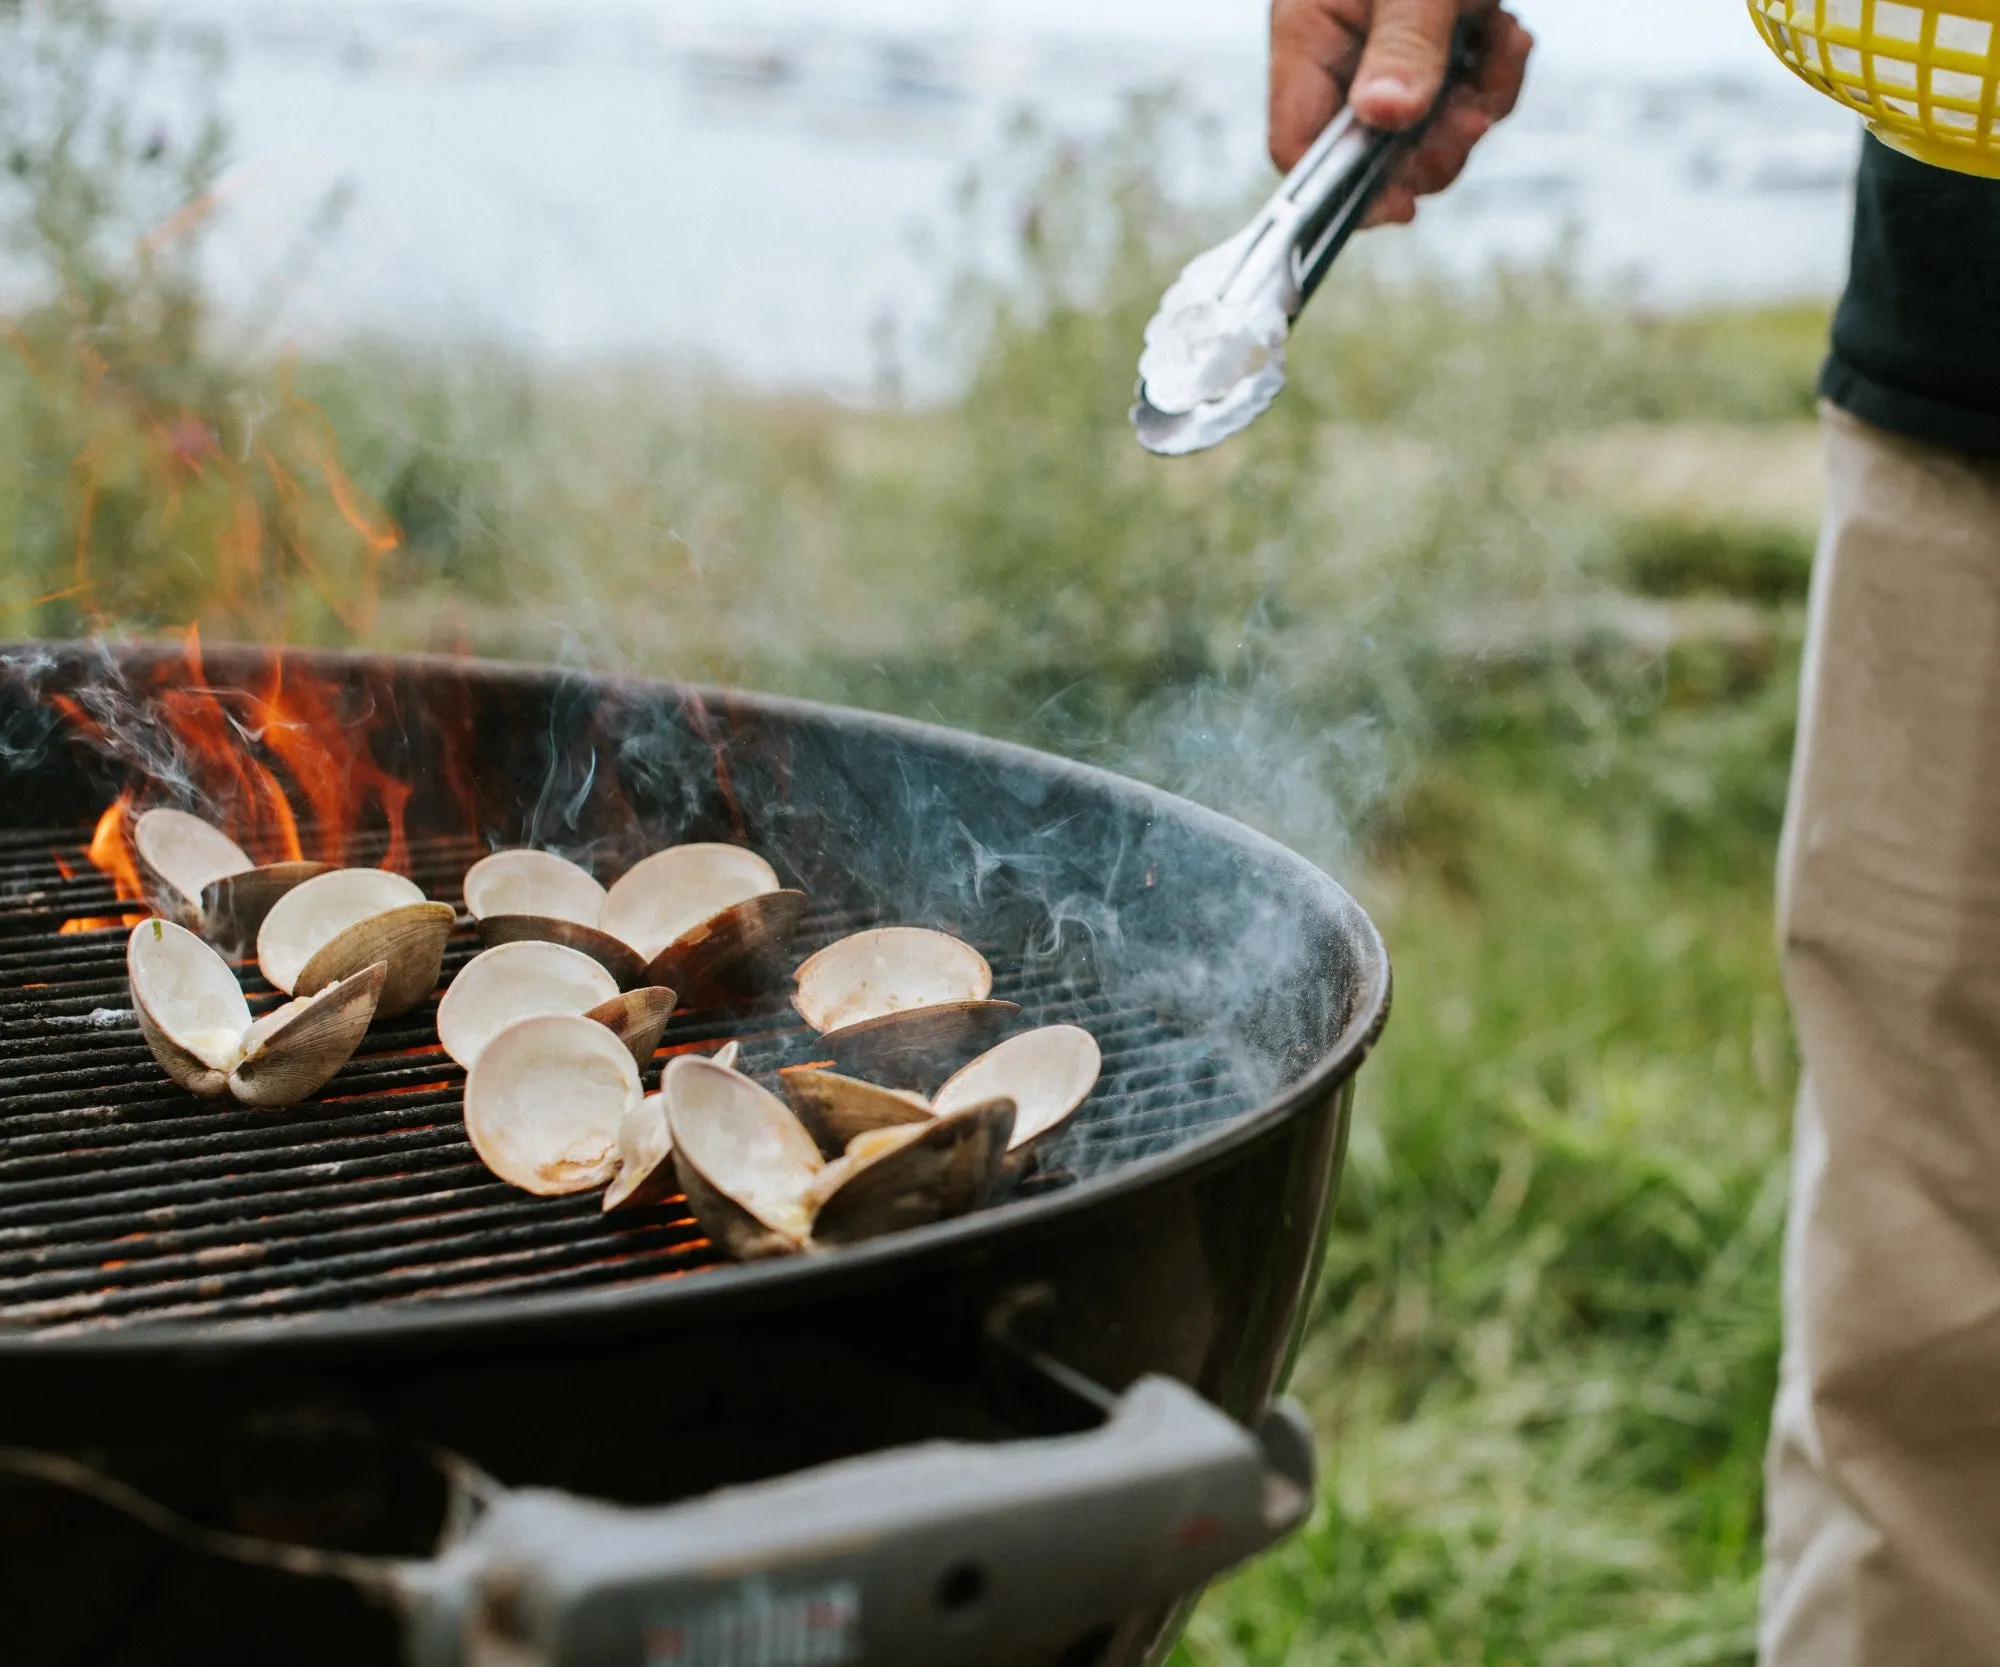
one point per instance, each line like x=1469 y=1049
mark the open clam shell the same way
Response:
x=291 y=1054
x=916 y=1049
x=539 y=897
x=191 y=1009
x=645 y=1143
x=195 y=1019
x=181 y=856
x=535 y=883
x=204 y=879
x=901 y=1005
x=836 y=1110
x=233 y=908
x=1047 y=1073
x=517 y=981
x=711 y=920
x=335 y=924
x=659 y=900
x=894 y=1179
x=893 y=969
x=545 y=1100
x=743 y=1160
x=734 y=953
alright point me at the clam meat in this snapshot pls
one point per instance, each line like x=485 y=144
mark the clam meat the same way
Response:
x=195 y=1018
x=201 y=877
x=544 y=1102
x=334 y=924
x=710 y=920
x=515 y=981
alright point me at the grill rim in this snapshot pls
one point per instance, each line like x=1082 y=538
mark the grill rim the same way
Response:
x=736 y=1287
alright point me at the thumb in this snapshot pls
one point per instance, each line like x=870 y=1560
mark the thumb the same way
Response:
x=1403 y=61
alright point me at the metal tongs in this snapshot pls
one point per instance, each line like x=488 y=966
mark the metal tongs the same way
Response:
x=1215 y=351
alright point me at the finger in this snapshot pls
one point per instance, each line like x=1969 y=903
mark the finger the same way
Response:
x=1403 y=62
x=1397 y=206
x=1446 y=149
x=1503 y=66
x=1312 y=56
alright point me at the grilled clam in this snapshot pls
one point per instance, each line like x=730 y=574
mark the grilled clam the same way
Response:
x=336 y=923
x=744 y=1161
x=194 y=1017
x=544 y=1102
x=645 y=1143
x=837 y=1109
x=896 y=1179
x=204 y=879
x=709 y=920
x=1046 y=1073
x=515 y=981
x=759 y=1186
x=901 y=1005
x=537 y=896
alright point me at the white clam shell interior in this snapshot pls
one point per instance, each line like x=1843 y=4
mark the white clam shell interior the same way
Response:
x=675 y=890
x=536 y=883
x=189 y=992
x=745 y=1141
x=545 y=1101
x=1047 y=1073
x=644 y=1142
x=310 y=916
x=645 y=1138
x=516 y=981
x=186 y=852
x=894 y=969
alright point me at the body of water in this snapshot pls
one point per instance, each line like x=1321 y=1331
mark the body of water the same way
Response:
x=776 y=199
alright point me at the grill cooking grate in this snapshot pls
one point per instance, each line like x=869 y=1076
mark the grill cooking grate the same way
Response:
x=124 y=1200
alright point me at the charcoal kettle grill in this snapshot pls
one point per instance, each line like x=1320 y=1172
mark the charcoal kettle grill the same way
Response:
x=1023 y=1436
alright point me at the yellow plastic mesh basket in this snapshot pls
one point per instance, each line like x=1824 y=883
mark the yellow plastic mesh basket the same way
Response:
x=1924 y=75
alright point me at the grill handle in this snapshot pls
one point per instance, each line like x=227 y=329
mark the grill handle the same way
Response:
x=922 y=1556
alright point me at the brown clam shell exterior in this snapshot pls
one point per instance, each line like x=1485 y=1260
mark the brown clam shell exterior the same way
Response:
x=638 y=1018
x=734 y=1230
x=233 y=909
x=298 y=1059
x=614 y=955
x=945 y=1170
x=835 y=1108
x=922 y=1046
x=732 y=955
x=410 y=938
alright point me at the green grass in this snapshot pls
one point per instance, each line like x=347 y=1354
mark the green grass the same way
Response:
x=1419 y=623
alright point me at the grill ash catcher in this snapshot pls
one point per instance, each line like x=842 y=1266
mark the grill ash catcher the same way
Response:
x=1214 y=359
x=236 y=1340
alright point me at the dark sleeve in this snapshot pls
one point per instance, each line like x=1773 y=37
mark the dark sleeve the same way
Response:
x=1916 y=342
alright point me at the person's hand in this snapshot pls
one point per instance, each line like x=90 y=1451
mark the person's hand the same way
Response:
x=1388 y=58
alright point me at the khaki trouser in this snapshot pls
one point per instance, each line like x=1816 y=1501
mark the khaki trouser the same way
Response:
x=1883 y=1544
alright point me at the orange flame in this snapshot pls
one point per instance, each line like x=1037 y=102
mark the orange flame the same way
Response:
x=278 y=768
x=110 y=851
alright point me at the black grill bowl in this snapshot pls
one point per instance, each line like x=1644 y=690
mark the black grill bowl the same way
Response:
x=270 y=1320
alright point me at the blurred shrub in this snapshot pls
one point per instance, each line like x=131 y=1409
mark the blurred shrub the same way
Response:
x=149 y=479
